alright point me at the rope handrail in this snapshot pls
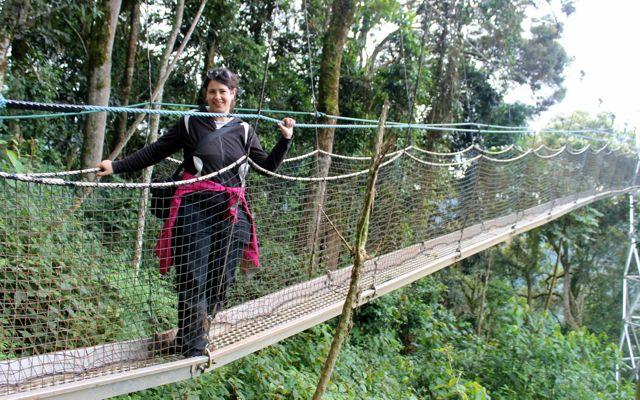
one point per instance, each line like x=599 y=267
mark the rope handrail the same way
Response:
x=321 y=179
x=345 y=118
x=449 y=164
x=357 y=158
x=601 y=148
x=545 y=147
x=449 y=127
x=57 y=115
x=502 y=151
x=25 y=176
x=557 y=152
x=301 y=157
x=507 y=160
x=122 y=185
x=340 y=117
x=578 y=151
x=435 y=153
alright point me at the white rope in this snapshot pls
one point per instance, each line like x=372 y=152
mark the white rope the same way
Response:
x=451 y=164
x=320 y=179
x=46 y=177
x=578 y=151
x=506 y=149
x=302 y=157
x=358 y=158
x=558 y=152
x=506 y=160
x=62 y=182
x=63 y=173
x=601 y=148
x=544 y=146
x=442 y=154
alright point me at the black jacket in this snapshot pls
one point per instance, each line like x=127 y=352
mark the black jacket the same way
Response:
x=216 y=148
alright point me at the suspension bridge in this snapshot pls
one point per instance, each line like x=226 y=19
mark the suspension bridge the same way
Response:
x=83 y=302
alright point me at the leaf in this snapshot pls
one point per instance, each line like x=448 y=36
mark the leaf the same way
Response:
x=15 y=161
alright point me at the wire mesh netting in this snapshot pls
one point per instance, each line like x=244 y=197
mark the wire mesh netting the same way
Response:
x=81 y=289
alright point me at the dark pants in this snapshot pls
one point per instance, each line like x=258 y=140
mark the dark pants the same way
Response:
x=208 y=247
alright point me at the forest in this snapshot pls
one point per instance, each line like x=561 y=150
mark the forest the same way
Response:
x=537 y=317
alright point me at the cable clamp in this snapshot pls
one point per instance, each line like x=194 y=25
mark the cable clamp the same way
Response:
x=209 y=353
x=459 y=251
x=198 y=369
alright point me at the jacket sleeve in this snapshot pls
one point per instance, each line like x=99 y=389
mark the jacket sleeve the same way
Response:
x=155 y=152
x=270 y=161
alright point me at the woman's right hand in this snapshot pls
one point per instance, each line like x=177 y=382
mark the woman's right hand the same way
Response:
x=105 y=168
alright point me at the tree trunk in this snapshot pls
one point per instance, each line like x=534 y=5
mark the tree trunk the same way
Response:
x=262 y=13
x=140 y=117
x=448 y=50
x=440 y=54
x=134 y=127
x=360 y=257
x=529 y=280
x=12 y=18
x=212 y=52
x=127 y=80
x=342 y=12
x=99 y=76
x=483 y=294
x=553 y=280
x=566 y=291
x=153 y=129
x=164 y=67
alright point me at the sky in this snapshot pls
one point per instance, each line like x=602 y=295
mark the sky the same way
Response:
x=603 y=38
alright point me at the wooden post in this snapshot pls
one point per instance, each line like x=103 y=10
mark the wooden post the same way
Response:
x=360 y=257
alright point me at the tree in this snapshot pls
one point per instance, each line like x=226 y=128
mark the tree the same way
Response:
x=342 y=12
x=127 y=79
x=98 y=66
x=13 y=17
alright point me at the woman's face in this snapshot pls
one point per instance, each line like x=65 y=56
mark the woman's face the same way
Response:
x=220 y=97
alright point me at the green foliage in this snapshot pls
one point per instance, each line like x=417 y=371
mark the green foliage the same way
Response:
x=51 y=298
x=66 y=284
x=529 y=357
x=10 y=161
x=408 y=345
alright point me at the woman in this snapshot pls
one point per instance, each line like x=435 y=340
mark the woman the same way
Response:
x=210 y=225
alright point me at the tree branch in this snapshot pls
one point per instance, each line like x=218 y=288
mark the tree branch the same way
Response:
x=134 y=126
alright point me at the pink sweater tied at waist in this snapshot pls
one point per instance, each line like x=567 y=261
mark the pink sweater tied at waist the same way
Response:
x=236 y=195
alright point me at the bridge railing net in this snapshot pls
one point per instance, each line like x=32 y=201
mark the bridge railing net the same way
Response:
x=75 y=304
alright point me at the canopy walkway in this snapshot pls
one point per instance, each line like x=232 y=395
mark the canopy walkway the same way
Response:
x=82 y=296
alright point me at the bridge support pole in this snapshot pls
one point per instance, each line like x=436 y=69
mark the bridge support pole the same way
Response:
x=630 y=337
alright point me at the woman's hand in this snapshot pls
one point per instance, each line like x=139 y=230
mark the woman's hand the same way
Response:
x=105 y=168
x=286 y=127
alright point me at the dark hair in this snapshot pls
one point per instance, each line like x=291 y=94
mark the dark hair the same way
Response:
x=222 y=75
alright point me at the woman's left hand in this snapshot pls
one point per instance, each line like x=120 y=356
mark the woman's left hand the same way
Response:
x=286 y=128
